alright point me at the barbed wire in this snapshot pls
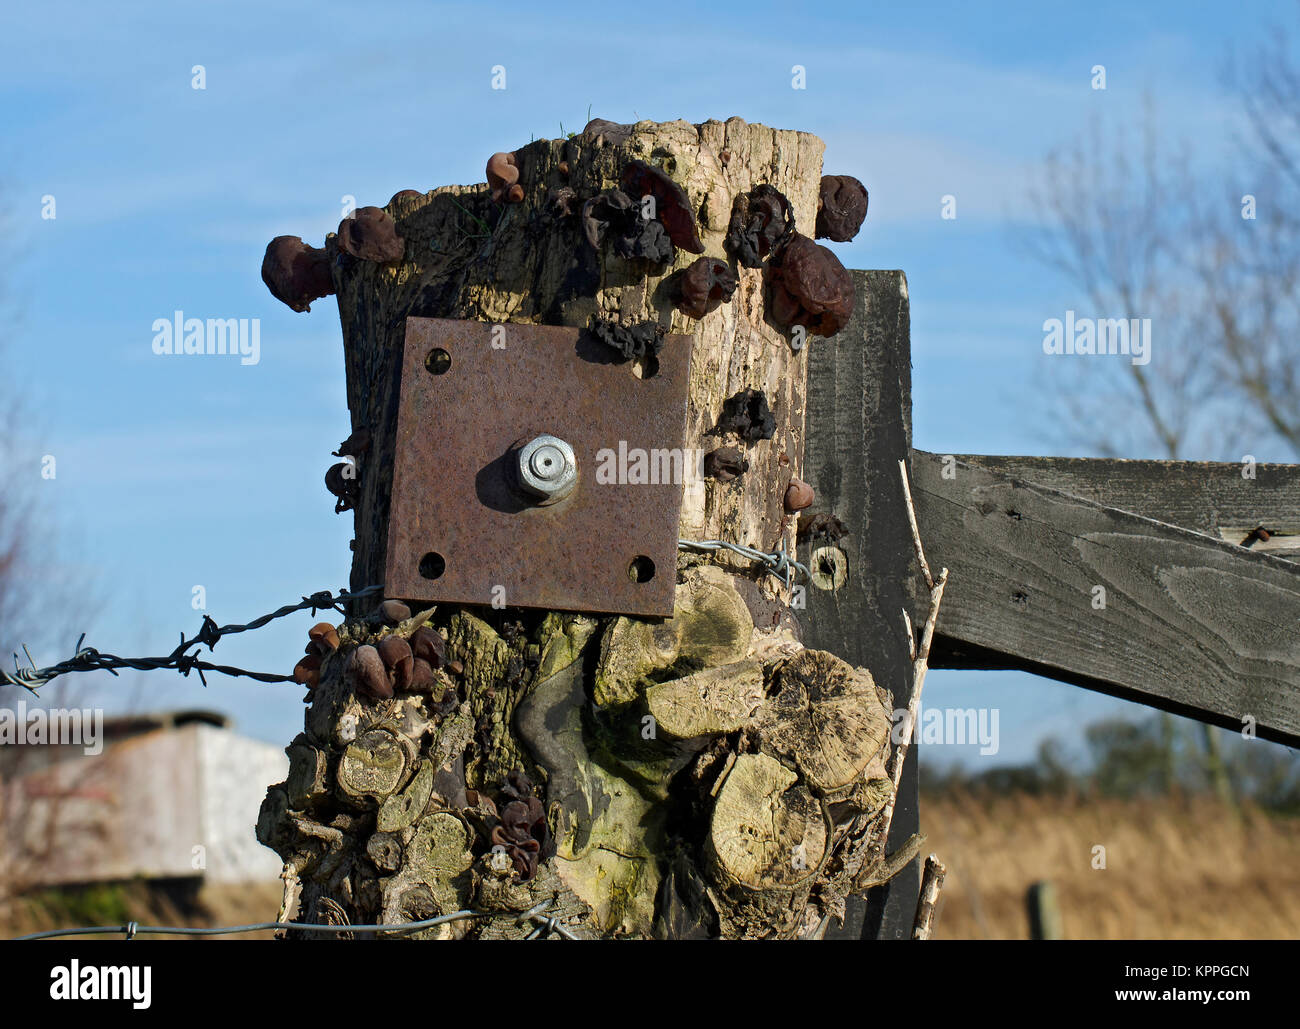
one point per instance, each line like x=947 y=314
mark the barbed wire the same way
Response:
x=182 y=660
x=778 y=562
x=545 y=924
x=88 y=659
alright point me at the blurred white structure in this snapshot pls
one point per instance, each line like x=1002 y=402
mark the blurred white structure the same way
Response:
x=172 y=795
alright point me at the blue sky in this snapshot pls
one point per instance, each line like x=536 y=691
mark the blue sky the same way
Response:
x=176 y=472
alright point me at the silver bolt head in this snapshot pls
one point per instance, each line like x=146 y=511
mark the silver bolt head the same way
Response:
x=548 y=469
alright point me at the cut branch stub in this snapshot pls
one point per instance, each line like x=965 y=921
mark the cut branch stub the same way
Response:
x=385 y=850
x=713 y=701
x=401 y=809
x=304 y=845
x=432 y=880
x=710 y=626
x=768 y=831
x=273 y=829
x=827 y=716
x=308 y=774
x=440 y=848
x=374 y=765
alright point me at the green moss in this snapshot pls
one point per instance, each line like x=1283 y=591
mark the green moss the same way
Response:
x=93 y=904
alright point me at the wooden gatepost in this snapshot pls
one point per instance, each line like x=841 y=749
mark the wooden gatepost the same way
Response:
x=564 y=720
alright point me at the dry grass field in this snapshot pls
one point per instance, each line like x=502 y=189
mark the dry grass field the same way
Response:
x=115 y=904
x=1175 y=868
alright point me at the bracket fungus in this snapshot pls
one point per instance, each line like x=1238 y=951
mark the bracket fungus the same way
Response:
x=423 y=676
x=599 y=212
x=615 y=217
x=429 y=645
x=748 y=415
x=503 y=178
x=810 y=288
x=602 y=130
x=522 y=832
x=296 y=273
x=395 y=652
x=632 y=342
x=370 y=234
x=841 y=208
x=341 y=480
x=799 y=496
x=821 y=526
x=394 y=612
x=760 y=221
x=725 y=464
x=672 y=207
x=366 y=674
x=307 y=671
x=356 y=444
x=323 y=639
x=517 y=785
x=705 y=285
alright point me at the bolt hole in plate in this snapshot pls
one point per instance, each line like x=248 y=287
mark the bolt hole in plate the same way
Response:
x=461 y=419
x=646 y=366
x=432 y=565
x=642 y=569
x=437 y=361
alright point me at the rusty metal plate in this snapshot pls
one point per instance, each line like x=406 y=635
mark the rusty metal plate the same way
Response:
x=461 y=532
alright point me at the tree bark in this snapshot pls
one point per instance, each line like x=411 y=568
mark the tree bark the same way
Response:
x=702 y=775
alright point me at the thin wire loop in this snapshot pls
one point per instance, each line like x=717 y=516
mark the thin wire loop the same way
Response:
x=778 y=562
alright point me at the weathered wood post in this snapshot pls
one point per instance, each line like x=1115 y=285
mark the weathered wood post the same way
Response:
x=1044 y=911
x=697 y=775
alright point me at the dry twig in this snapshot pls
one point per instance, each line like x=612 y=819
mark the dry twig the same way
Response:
x=921 y=663
x=931 y=883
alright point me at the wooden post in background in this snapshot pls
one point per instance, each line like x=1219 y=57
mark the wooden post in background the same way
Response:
x=1044 y=912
